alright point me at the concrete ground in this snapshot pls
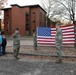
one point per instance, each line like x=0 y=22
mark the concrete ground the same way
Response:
x=27 y=47
x=23 y=42
x=11 y=66
x=31 y=66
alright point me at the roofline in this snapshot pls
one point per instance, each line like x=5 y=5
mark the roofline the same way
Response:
x=34 y=6
x=25 y=6
x=15 y=5
x=6 y=8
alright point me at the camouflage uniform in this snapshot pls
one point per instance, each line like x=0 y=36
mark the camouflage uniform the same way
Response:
x=16 y=44
x=35 y=40
x=58 y=41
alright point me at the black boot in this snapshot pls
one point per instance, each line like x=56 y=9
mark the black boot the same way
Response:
x=59 y=61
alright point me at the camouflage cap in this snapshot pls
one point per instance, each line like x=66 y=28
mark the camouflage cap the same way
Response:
x=58 y=24
x=17 y=29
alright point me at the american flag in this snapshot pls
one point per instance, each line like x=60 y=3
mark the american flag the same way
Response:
x=46 y=35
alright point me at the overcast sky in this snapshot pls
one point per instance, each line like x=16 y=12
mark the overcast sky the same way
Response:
x=23 y=2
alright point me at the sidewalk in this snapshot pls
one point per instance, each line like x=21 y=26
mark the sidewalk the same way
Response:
x=24 y=66
x=22 y=38
x=26 y=48
x=23 y=42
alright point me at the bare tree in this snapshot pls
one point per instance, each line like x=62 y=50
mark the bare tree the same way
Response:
x=54 y=9
x=47 y=5
x=2 y=4
x=69 y=6
x=62 y=8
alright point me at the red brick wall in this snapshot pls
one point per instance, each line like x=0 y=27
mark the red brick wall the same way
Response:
x=26 y=9
x=34 y=18
x=6 y=22
x=42 y=18
x=9 y=23
x=17 y=19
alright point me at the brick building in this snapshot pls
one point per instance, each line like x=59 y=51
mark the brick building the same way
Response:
x=26 y=18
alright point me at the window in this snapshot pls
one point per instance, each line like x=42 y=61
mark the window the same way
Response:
x=33 y=12
x=33 y=21
x=7 y=14
x=7 y=22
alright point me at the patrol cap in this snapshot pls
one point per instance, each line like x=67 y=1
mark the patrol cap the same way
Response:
x=58 y=24
x=17 y=29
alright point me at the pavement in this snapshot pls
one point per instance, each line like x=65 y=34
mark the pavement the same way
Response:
x=24 y=41
x=27 y=48
x=10 y=66
x=31 y=66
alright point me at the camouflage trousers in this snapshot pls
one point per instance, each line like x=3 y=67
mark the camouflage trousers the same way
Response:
x=16 y=50
x=59 y=49
x=35 y=44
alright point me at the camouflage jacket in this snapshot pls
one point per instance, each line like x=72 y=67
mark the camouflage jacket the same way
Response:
x=34 y=37
x=16 y=39
x=58 y=36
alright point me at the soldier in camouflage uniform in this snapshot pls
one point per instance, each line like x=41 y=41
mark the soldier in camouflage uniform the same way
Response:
x=58 y=42
x=16 y=43
x=35 y=39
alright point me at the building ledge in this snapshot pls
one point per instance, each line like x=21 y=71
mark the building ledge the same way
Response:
x=36 y=5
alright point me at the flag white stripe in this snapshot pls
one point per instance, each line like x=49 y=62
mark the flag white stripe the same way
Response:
x=69 y=30
x=72 y=36
x=63 y=28
x=68 y=37
x=66 y=33
x=72 y=39
x=54 y=42
x=43 y=37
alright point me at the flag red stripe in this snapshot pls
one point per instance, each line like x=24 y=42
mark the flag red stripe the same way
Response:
x=68 y=36
x=54 y=40
x=54 y=44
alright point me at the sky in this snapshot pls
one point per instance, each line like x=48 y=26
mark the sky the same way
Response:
x=23 y=2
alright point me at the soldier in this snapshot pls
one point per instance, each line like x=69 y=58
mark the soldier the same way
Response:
x=16 y=43
x=58 y=42
x=35 y=39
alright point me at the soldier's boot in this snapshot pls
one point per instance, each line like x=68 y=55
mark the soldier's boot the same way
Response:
x=35 y=48
x=17 y=57
x=59 y=61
